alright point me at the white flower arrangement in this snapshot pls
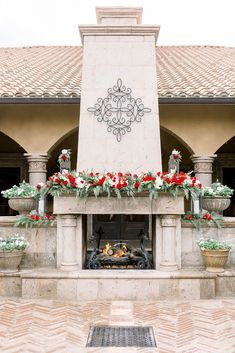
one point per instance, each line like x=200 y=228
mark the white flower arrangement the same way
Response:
x=217 y=189
x=13 y=243
x=23 y=190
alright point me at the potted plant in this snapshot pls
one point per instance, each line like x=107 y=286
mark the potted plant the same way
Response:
x=216 y=198
x=22 y=198
x=11 y=252
x=215 y=254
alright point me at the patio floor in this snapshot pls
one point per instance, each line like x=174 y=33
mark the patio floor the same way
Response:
x=46 y=326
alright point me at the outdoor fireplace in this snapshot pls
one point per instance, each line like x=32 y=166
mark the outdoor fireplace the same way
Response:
x=120 y=241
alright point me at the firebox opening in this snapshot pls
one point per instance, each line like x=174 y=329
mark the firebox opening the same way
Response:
x=119 y=241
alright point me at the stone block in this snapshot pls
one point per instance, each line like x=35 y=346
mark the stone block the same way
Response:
x=88 y=289
x=67 y=289
x=168 y=288
x=207 y=288
x=10 y=286
x=225 y=286
x=189 y=288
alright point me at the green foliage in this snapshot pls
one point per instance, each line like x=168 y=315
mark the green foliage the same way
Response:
x=23 y=190
x=13 y=243
x=212 y=244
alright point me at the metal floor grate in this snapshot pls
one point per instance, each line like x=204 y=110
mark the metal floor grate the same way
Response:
x=121 y=336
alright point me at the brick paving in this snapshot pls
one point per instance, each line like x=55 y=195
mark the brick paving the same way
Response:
x=46 y=326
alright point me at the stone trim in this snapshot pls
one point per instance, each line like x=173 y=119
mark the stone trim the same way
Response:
x=125 y=13
x=134 y=30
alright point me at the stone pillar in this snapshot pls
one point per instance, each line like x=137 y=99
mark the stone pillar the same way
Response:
x=168 y=263
x=37 y=168
x=203 y=168
x=69 y=248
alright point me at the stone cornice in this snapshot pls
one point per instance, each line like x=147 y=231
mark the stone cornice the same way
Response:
x=135 y=30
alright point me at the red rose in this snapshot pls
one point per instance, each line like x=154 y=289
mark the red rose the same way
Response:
x=167 y=180
x=120 y=175
x=48 y=216
x=135 y=176
x=119 y=186
x=39 y=186
x=189 y=216
x=65 y=182
x=91 y=174
x=32 y=216
x=137 y=184
x=36 y=218
x=63 y=157
x=57 y=181
x=101 y=181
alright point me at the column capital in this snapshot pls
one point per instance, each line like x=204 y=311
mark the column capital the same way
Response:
x=69 y=220
x=203 y=164
x=168 y=221
x=37 y=162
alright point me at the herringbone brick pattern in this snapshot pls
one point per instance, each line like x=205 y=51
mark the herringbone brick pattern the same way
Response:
x=206 y=326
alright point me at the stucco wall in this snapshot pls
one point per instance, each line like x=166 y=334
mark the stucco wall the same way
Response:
x=203 y=128
x=38 y=127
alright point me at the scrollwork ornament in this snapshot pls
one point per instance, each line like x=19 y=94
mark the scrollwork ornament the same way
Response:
x=119 y=110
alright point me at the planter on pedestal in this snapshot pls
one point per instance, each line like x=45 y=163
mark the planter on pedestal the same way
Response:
x=215 y=204
x=215 y=260
x=22 y=204
x=10 y=260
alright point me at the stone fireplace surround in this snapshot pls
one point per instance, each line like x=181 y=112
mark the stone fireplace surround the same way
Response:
x=72 y=230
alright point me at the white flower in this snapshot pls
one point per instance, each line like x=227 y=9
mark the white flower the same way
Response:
x=80 y=182
x=64 y=151
x=158 y=183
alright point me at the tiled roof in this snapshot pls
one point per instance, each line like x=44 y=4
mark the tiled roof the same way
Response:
x=53 y=72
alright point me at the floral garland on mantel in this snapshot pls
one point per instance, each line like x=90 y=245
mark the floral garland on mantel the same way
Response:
x=88 y=183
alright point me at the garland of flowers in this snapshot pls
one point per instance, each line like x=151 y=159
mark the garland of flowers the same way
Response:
x=197 y=220
x=87 y=183
x=35 y=219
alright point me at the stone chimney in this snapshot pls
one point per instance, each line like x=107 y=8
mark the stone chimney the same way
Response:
x=119 y=121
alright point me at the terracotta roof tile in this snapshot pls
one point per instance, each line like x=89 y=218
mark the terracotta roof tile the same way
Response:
x=183 y=71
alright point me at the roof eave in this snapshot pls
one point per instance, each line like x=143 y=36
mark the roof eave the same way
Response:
x=196 y=100
x=39 y=100
x=76 y=100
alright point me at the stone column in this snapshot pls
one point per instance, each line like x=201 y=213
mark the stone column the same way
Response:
x=37 y=167
x=69 y=248
x=168 y=263
x=203 y=168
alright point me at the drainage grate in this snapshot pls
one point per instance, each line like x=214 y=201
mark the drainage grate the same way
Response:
x=121 y=336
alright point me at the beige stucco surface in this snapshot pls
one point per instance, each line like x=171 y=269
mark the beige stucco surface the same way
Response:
x=37 y=128
x=203 y=128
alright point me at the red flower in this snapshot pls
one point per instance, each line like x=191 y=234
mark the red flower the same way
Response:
x=207 y=216
x=71 y=179
x=74 y=185
x=189 y=216
x=65 y=182
x=167 y=180
x=135 y=176
x=39 y=186
x=101 y=180
x=32 y=216
x=137 y=184
x=48 y=216
x=63 y=157
x=91 y=174
x=57 y=181
x=119 y=186
x=120 y=175
x=36 y=218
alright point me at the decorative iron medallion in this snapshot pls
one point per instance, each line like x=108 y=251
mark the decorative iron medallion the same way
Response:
x=119 y=110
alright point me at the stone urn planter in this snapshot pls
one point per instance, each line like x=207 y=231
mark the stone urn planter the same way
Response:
x=22 y=204
x=215 y=204
x=10 y=260
x=215 y=260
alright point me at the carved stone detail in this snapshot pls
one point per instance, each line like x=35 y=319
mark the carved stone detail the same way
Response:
x=203 y=164
x=168 y=221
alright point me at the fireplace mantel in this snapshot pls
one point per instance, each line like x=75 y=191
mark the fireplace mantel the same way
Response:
x=141 y=204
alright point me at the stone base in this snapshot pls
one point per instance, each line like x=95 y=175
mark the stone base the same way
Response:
x=118 y=285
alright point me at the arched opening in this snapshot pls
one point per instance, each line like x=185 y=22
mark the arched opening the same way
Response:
x=169 y=141
x=13 y=169
x=225 y=170
x=68 y=141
